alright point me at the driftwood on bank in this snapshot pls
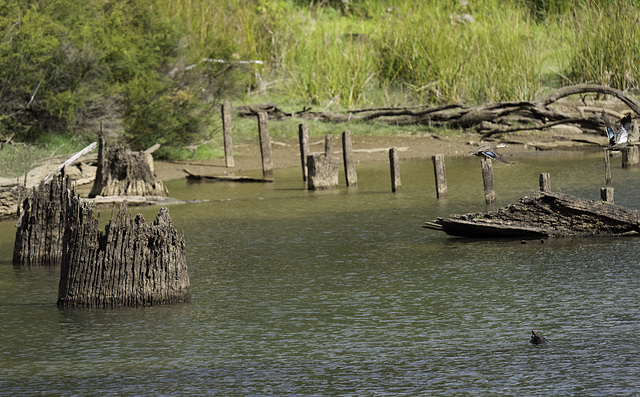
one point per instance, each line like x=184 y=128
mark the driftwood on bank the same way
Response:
x=131 y=263
x=548 y=214
x=488 y=119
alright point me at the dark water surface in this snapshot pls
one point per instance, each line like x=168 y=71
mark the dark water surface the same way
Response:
x=343 y=293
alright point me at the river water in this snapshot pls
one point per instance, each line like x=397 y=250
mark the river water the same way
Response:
x=343 y=293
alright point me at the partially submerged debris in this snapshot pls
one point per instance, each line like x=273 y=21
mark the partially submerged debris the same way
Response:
x=548 y=214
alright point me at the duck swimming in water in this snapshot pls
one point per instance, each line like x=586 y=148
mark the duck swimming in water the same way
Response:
x=537 y=339
x=489 y=151
x=618 y=137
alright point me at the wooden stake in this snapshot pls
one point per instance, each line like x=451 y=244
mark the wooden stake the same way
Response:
x=545 y=182
x=441 y=176
x=303 y=136
x=487 y=179
x=630 y=156
x=328 y=145
x=349 y=165
x=606 y=194
x=607 y=167
x=395 y=170
x=265 y=145
x=226 y=128
x=323 y=172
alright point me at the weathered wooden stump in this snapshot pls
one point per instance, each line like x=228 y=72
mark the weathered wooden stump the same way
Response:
x=487 y=180
x=606 y=194
x=41 y=224
x=630 y=156
x=350 y=174
x=545 y=182
x=322 y=172
x=265 y=145
x=441 y=176
x=303 y=135
x=122 y=172
x=396 y=183
x=131 y=263
x=226 y=130
x=607 y=167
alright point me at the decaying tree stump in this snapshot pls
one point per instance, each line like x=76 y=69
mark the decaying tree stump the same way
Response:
x=122 y=172
x=131 y=263
x=41 y=224
x=548 y=214
x=322 y=172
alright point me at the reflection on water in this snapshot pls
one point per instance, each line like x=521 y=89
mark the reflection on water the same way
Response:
x=343 y=292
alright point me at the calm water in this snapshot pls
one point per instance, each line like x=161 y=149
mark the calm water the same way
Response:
x=343 y=293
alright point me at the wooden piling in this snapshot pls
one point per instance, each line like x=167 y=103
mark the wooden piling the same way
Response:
x=606 y=194
x=226 y=128
x=441 y=176
x=131 y=263
x=265 y=145
x=303 y=137
x=630 y=156
x=396 y=184
x=328 y=145
x=607 y=167
x=347 y=155
x=545 y=182
x=487 y=179
x=322 y=172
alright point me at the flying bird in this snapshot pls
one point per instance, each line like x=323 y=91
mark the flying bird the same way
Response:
x=618 y=137
x=489 y=151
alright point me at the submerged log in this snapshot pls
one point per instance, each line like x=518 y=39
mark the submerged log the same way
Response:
x=548 y=214
x=131 y=263
x=122 y=172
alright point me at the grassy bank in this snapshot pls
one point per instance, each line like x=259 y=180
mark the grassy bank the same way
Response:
x=156 y=71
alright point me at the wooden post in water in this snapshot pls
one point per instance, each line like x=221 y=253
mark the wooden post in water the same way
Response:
x=396 y=184
x=303 y=136
x=545 y=182
x=131 y=263
x=630 y=156
x=606 y=194
x=265 y=145
x=607 y=167
x=487 y=179
x=347 y=155
x=441 y=176
x=328 y=145
x=226 y=128
x=323 y=172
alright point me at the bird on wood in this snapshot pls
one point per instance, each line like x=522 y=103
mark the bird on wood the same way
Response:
x=537 y=339
x=489 y=151
x=618 y=137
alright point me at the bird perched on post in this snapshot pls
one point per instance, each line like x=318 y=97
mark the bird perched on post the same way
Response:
x=618 y=137
x=489 y=151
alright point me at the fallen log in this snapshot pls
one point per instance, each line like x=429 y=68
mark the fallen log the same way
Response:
x=488 y=119
x=225 y=178
x=548 y=214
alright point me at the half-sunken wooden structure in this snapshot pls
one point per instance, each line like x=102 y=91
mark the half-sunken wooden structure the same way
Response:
x=122 y=172
x=41 y=224
x=131 y=263
x=548 y=214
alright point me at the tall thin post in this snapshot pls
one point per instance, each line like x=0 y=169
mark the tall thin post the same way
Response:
x=303 y=136
x=347 y=155
x=395 y=170
x=226 y=128
x=265 y=145
x=441 y=176
x=328 y=145
x=545 y=182
x=607 y=167
x=487 y=179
